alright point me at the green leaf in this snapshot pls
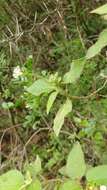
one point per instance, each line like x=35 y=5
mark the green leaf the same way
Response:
x=51 y=100
x=97 y=47
x=97 y=175
x=41 y=86
x=35 y=185
x=70 y=185
x=59 y=119
x=34 y=168
x=101 y=10
x=75 y=167
x=75 y=71
x=7 y=105
x=12 y=180
x=56 y=187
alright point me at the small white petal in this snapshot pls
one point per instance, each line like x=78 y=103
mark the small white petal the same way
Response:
x=17 y=72
x=103 y=187
x=30 y=57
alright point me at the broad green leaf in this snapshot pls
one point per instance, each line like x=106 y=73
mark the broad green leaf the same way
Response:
x=61 y=114
x=75 y=71
x=51 y=100
x=101 y=10
x=97 y=175
x=12 y=180
x=75 y=167
x=41 y=86
x=97 y=47
x=70 y=185
x=34 y=168
x=35 y=185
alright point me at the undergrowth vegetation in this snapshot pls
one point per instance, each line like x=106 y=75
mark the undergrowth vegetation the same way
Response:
x=53 y=95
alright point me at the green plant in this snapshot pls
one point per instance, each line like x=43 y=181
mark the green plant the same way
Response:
x=102 y=40
x=55 y=86
x=15 y=180
x=73 y=172
x=65 y=96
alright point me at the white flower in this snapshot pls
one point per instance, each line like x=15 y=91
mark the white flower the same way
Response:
x=30 y=57
x=103 y=187
x=17 y=72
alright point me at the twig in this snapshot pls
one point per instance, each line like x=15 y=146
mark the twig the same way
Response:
x=90 y=95
x=29 y=140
